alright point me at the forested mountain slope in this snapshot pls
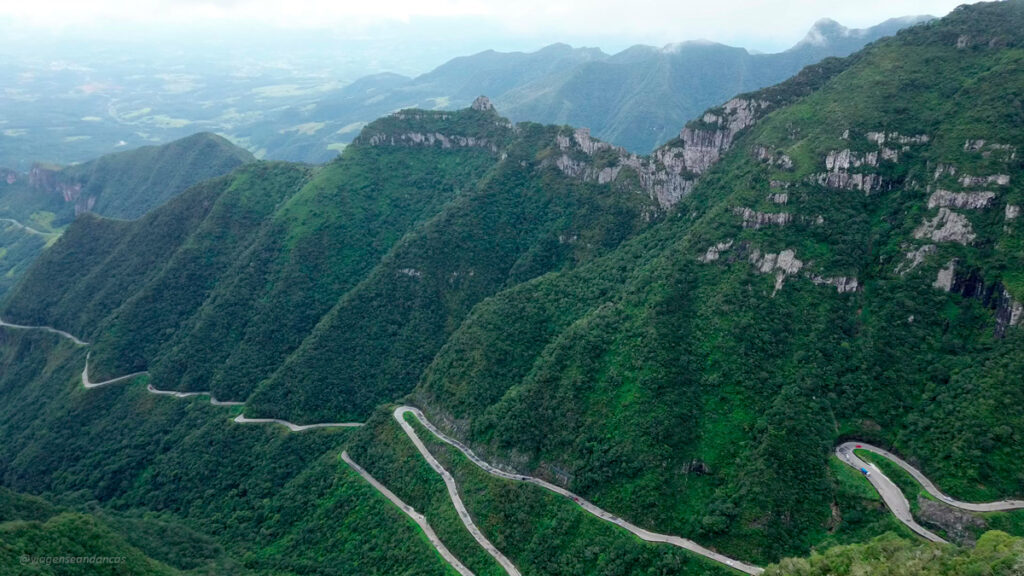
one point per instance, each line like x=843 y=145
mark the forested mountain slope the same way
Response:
x=681 y=338
x=36 y=206
x=851 y=268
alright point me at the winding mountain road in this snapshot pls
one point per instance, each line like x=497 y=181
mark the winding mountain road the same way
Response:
x=90 y=384
x=642 y=533
x=453 y=489
x=997 y=506
x=241 y=419
x=890 y=492
x=897 y=501
x=412 y=513
x=28 y=229
x=45 y=329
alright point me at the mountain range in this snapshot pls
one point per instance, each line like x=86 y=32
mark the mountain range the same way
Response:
x=76 y=107
x=681 y=338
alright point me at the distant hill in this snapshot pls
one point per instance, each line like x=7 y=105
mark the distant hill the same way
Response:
x=36 y=206
x=637 y=98
x=681 y=338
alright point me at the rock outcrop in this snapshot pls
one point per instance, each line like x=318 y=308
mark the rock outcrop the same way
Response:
x=994 y=180
x=969 y=283
x=783 y=264
x=945 y=277
x=483 y=104
x=773 y=157
x=670 y=172
x=914 y=258
x=967 y=200
x=843 y=284
x=1012 y=211
x=430 y=139
x=755 y=220
x=947 y=226
x=714 y=252
x=781 y=198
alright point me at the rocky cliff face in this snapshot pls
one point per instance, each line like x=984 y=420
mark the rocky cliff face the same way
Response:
x=670 y=172
x=48 y=179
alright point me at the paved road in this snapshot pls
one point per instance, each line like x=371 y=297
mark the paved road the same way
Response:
x=90 y=384
x=932 y=489
x=412 y=513
x=29 y=229
x=647 y=535
x=891 y=494
x=176 y=394
x=241 y=419
x=45 y=329
x=453 y=490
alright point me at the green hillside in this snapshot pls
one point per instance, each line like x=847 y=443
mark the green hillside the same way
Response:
x=681 y=339
x=37 y=206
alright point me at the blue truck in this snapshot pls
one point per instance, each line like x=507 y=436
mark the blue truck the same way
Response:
x=865 y=472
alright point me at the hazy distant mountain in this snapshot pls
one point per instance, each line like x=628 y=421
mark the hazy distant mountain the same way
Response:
x=638 y=98
x=682 y=339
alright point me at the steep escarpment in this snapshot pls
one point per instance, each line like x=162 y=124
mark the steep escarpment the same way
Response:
x=322 y=292
x=850 y=266
x=681 y=339
x=35 y=207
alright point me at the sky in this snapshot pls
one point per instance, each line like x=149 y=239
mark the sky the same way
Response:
x=466 y=24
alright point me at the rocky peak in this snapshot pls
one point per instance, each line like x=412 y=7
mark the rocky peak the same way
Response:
x=823 y=32
x=483 y=104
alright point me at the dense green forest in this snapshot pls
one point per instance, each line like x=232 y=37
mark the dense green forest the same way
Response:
x=123 y=185
x=849 y=267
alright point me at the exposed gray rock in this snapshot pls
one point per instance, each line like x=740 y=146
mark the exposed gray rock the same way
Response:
x=944 y=280
x=881 y=138
x=430 y=139
x=783 y=264
x=954 y=521
x=1004 y=152
x=411 y=272
x=915 y=258
x=482 y=103
x=1012 y=211
x=947 y=226
x=943 y=170
x=968 y=200
x=780 y=198
x=773 y=158
x=837 y=160
x=670 y=173
x=842 y=180
x=843 y=284
x=780 y=184
x=755 y=220
x=1009 y=312
x=973 y=145
x=995 y=179
x=714 y=252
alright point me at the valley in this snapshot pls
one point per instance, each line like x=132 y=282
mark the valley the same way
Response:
x=475 y=345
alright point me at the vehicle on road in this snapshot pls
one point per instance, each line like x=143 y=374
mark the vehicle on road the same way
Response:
x=865 y=471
